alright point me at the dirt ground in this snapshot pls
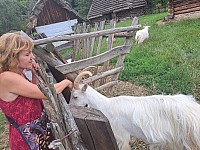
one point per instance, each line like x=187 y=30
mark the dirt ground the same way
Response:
x=186 y=16
x=4 y=137
x=192 y=15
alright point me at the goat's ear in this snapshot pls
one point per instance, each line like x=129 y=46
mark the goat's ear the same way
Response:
x=83 y=89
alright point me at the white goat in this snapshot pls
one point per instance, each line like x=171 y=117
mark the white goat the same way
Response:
x=169 y=122
x=141 y=35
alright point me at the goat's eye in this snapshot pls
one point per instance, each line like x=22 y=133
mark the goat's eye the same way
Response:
x=74 y=97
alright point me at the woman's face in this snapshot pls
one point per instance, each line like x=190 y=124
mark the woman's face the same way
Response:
x=25 y=59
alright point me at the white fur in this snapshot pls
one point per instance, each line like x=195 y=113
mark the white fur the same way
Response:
x=69 y=61
x=141 y=35
x=169 y=122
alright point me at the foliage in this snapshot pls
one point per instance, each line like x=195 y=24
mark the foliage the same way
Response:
x=12 y=12
x=155 y=2
x=81 y=6
x=2 y=122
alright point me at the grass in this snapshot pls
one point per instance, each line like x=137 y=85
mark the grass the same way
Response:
x=2 y=122
x=169 y=61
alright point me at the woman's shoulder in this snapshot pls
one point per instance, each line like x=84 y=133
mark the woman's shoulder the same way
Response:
x=5 y=73
x=7 y=76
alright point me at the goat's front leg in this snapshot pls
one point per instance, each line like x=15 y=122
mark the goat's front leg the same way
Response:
x=123 y=141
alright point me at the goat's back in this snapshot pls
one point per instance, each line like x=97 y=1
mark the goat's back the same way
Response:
x=160 y=119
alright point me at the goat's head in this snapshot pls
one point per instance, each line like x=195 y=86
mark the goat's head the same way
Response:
x=78 y=92
x=146 y=26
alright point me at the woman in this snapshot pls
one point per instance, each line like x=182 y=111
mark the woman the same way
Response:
x=20 y=99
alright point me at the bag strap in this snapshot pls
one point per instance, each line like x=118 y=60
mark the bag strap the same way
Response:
x=15 y=125
x=12 y=122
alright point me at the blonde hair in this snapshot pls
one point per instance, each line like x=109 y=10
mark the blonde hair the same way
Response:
x=11 y=44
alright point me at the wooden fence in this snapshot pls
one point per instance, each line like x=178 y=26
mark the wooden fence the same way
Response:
x=82 y=128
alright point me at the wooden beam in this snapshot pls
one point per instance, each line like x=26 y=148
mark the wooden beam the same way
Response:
x=187 y=7
x=103 y=74
x=92 y=61
x=187 y=11
x=85 y=35
x=106 y=85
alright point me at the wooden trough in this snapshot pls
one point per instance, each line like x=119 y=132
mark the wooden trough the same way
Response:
x=94 y=128
x=88 y=128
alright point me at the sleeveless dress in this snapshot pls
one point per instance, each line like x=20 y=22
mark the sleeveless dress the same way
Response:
x=22 y=110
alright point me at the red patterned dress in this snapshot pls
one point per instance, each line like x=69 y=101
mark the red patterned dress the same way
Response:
x=22 y=110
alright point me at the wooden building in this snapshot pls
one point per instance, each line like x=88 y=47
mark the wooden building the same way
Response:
x=47 y=12
x=115 y=9
x=176 y=7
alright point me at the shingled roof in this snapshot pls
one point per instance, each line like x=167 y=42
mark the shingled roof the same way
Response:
x=46 y=12
x=38 y=8
x=102 y=7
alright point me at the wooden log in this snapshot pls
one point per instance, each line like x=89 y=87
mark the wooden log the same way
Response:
x=51 y=60
x=94 y=127
x=93 y=40
x=170 y=9
x=63 y=116
x=187 y=7
x=109 y=46
x=187 y=10
x=122 y=56
x=106 y=85
x=102 y=25
x=122 y=35
x=103 y=74
x=86 y=35
x=88 y=42
x=84 y=41
x=80 y=64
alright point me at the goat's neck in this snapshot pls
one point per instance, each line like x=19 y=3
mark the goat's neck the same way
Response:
x=96 y=100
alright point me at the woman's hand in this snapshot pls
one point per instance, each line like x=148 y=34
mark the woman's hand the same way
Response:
x=35 y=66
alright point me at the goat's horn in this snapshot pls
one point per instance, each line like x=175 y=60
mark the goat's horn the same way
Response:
x=79 y=77
x=88 y=68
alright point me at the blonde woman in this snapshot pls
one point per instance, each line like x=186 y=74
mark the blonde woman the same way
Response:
x=21 y=99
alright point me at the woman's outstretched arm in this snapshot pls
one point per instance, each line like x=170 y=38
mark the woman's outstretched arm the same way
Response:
x=13 y=83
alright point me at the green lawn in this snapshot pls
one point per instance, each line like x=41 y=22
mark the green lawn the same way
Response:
x=169 y=61
x=2 y=122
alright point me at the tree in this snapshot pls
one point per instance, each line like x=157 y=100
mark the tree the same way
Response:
x=11 y=16
x=154 y=2
x=81 y=6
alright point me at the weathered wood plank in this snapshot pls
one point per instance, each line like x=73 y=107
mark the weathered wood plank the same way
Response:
x=93 y=39
x=51 y=60
x=95 y=128
x=187 y=7
x=122 y=56
x=80 y=64
x=102 y=25
x=187 y=10
x=103 y=74
x=88 y=42
x=86 y=35
x=109 y=46
x=106 y=85
x=85 y=41
x=77 y=43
